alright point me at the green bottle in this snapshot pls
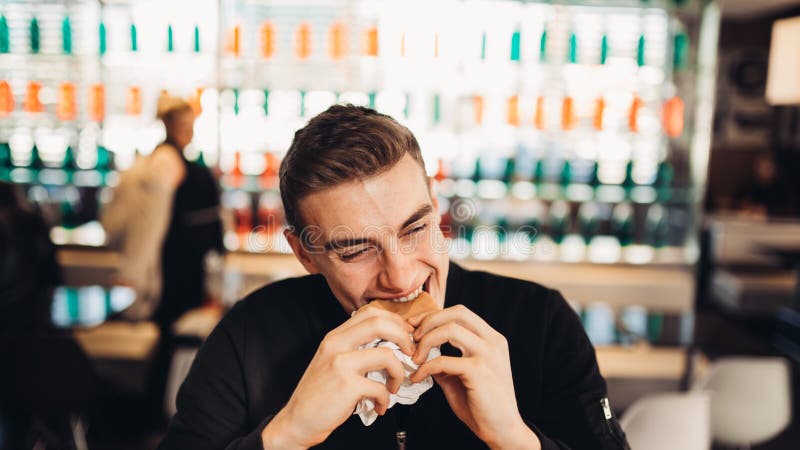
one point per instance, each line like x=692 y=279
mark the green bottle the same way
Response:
x=511 y=171
x=36 y=159
x=572 y=55
x=604 y=50
x=372 y=97
x=5 y=155
x=66 y=36
x=236 y=102
x=134 y=38
x=483 y=46
x=437 y=109
x=303 y=103
x=170 y=39
x=622 y=223
x=5 y=43
x=640 y=49
x=515 y=45
x=543 y=46
x=101 y=31
x=196 y=39
x=266 y=102
x=566 y=173
x=680 y=53
x=35 y=36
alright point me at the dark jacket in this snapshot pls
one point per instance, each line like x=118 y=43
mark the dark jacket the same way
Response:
x=248 y=368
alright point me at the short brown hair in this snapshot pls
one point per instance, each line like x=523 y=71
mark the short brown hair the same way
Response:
x=343 y=143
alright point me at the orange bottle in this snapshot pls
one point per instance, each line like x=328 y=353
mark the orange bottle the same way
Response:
x=673 y=117
x=513 y=111
x=337 y=41
x=66 y=107
x=568 y=118
x=633 y=117
x=97 y=102
x=371 y=41
x=6 y=99
x=478 y=105
x=599 y=110
x=133 y=101
x=235 y=41
x=268 y=40
x=303 y=41
x=194 y=101
x=538 y=115
x=32 y=103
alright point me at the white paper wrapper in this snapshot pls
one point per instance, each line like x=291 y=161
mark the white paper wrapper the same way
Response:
x=407 y=395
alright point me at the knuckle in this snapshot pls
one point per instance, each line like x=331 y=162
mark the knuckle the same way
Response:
x=339 y=362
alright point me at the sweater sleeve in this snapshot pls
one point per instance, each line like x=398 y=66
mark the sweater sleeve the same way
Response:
x=578 y=414
x=211 y=403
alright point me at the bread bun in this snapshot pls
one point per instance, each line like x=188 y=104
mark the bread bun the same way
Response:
x=423 y=303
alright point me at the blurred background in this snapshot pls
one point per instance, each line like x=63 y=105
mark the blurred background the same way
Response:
x=642 y=156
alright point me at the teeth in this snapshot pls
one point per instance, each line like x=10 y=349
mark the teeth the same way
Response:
x=409 y=297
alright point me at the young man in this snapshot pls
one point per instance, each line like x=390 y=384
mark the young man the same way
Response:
x=283 y=369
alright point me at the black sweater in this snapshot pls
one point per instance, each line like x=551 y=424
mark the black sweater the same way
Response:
x=248 y=368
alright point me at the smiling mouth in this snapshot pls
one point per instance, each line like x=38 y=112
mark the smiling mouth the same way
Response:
x=412 y=296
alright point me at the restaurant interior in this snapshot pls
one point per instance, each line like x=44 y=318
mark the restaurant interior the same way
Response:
x=640 y=156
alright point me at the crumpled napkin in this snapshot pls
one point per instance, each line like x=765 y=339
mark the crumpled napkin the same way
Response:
x=408 y=394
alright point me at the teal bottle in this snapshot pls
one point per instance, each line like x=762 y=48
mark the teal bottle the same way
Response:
x=5 y=43
x=35 y=36
x=543 y=46
x=604 y=50
x=266 y=102
x=101 y=31
x=566 y=174
x=680 y=50
x=640 y=52
x=170 y=39
x=196 y=39
x=483 y=46
x=5 y=161
x=572 y=53
x=36 y=159
x=515 y=45
x=511 y=171
x=66 y=36
x=134 y=38
x=622 y=223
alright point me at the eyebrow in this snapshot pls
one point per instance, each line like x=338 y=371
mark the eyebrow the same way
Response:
x=421 y=212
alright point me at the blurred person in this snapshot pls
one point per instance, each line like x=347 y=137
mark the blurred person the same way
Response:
x=285 y=368
x=164 y=217
x=28 y=268
x=767 y=195
x=46 y=380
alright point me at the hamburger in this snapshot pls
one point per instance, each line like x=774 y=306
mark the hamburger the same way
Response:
x=423 y=303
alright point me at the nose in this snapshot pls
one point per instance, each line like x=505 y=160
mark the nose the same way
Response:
x=398 y=274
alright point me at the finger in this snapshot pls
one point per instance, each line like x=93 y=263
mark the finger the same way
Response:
x=376 y=392
x=366 y=312
x=459 y=314
x=380 y=359
x=448 y=365
x=414 y=321
x=377 y=327
x=452 y=332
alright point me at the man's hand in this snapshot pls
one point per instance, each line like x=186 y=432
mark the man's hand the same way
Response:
x=334 y=381
x=478 y=385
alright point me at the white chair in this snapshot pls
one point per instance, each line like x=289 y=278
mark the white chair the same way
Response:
x=750 y=399
x=669 y=421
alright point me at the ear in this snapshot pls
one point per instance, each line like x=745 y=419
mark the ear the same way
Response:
x=300 y=251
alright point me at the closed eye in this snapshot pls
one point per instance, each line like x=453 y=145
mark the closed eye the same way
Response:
x=354 y=255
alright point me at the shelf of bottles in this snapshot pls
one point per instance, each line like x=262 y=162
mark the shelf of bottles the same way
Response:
x=555 y=131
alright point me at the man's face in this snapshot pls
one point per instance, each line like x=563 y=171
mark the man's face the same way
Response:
x=377 y=238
